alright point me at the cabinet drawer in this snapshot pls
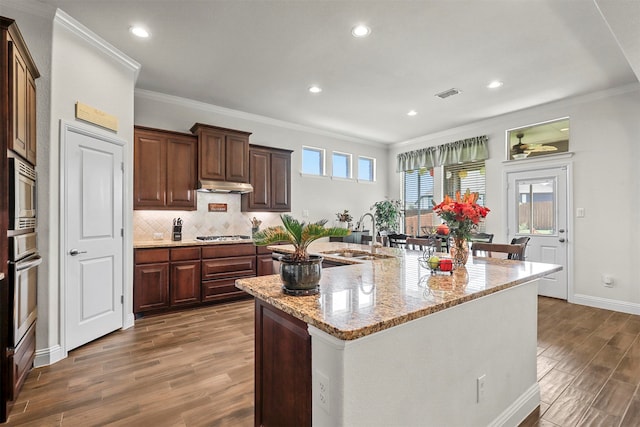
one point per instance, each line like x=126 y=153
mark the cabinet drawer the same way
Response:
x=147 y=256
x=213 y=290
x=262 y=250
x=185 y=254
x=228 y=267
x=219 y=251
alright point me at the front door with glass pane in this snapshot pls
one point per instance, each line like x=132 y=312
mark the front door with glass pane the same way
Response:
x=537 y=208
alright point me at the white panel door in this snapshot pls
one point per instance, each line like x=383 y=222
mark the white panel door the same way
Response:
x=537 y=208
x=94 y=265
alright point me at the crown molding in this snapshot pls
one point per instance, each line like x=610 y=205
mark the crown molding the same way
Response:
x=86 y=34
x=485 y=123
x=203 y=106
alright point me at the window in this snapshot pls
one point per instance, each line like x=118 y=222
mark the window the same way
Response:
x=463 y=177
x=418 y=198
x=366 y=168
x=341 y=165
x=536 y=206
x=312 y=161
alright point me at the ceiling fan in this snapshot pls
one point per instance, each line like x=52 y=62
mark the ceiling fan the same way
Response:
x=521 y=151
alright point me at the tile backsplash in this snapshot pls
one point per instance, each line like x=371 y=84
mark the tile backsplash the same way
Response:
x=201 y=222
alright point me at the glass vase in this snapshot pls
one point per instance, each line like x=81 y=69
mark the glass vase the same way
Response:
x=459 y=251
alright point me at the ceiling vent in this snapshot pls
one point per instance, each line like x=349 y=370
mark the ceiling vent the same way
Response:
x=448 y=93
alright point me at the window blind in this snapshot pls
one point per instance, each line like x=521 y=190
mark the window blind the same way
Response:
x=463 y=177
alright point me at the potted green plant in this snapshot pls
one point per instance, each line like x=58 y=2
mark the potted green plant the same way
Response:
x=387 y=213
x=344 y=219
x=300 y=272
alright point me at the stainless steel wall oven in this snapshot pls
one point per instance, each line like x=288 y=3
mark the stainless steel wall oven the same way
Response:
x=22 y=195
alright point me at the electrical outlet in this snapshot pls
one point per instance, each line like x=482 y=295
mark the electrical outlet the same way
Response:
x=305 y=213
x=323 y=390
x=480 y=388
x=607 y=281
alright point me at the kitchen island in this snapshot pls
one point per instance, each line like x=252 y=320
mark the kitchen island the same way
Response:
x=385 y=343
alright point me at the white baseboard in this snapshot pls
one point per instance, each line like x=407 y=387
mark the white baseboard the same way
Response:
x=48 y=356
x=129 y=321
x=520 y=409
x=606 y=303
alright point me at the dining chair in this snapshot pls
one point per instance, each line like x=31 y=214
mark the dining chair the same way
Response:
x=482 y=237
x=514 y=252
x=521 y=241
x=397 y=240
x=420 y=244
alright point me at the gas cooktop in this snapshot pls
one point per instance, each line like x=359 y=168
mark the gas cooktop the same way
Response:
x=223 y=238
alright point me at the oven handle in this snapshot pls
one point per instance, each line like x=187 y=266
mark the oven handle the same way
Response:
x=32 y=262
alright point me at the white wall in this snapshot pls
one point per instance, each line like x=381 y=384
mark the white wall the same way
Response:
x=605 y=140
x=321 y=197
x=81 y=70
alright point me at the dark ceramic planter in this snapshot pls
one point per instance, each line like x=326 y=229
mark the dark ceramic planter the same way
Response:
x=301 y=277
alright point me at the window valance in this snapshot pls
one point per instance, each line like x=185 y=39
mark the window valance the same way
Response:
x=462 y=151
x=414 y=160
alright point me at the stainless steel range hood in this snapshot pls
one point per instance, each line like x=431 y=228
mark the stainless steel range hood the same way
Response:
x=225 y=187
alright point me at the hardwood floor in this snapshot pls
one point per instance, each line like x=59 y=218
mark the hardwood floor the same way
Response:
x=195 y=368
x=588 y=366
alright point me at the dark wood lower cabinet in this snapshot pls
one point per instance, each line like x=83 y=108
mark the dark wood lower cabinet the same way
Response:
x=151 y=287
x=282 y=368
x=181 y=277
x=265 y=265
x=185 y=283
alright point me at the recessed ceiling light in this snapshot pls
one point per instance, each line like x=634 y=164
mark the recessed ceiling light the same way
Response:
x=139 y=32
x=315 y=89
x=412 y=113
x=360 y=31
x=495 y=84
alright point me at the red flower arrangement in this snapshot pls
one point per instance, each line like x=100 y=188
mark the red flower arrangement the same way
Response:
x=461 y=214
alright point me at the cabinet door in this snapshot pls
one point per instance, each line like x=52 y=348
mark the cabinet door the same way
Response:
x=18 y=142
x=151 y=287
x=237 y=158
x=212 y=153
x=281 y=182
x=265 y=265
x=181 y=173
x=31 y=119
x=185 y=282
x=260 y=177
x=150 y=170
x=282 y=368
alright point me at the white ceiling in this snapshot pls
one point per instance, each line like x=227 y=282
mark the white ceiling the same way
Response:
x=260 y=57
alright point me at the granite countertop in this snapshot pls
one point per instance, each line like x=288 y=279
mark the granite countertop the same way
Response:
x=370 y=296
x=143 y=244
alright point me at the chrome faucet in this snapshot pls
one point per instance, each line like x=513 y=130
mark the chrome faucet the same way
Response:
x=374 y=242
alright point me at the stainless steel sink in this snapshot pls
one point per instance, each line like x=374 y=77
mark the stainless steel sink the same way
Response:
x=361 y=255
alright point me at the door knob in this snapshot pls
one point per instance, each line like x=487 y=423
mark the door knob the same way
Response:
x=561 y=240
x=74 y=252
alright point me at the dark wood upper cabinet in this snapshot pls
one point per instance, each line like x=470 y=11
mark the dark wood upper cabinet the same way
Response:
x=164 y=169
x=270 y=176
x=22 y=73
x=223 y=153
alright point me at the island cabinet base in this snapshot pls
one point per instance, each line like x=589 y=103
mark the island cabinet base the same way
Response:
x=282 y=369
x=473 y=364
